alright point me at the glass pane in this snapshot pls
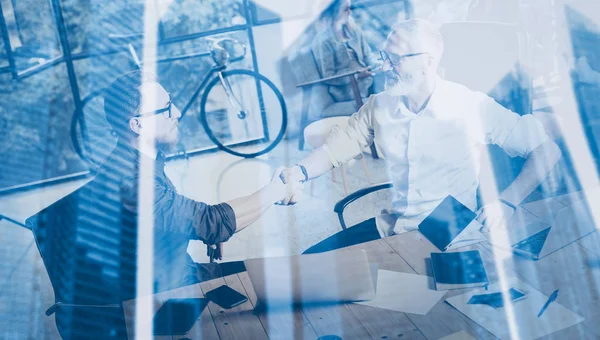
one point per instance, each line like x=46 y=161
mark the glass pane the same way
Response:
x=186 y=17
x=89 y=22
x=35 y=117
x=375 y=21
x=182 y=88
x=93 y=75
x=265 y=10
x=3 y=56
x=32 y=31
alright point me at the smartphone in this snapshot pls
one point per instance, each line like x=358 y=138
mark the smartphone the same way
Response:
x=495 y=299
x=226 y=297
x=177 y=316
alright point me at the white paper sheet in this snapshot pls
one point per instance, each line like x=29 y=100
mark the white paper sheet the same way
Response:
x=527 y=324
x=403 y=292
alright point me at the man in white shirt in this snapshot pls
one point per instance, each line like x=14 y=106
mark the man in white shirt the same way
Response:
x=431 y=132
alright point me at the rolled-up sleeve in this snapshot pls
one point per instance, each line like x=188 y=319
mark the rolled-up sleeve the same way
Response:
x=345 y=143
x=199 y=221
x=516 y=135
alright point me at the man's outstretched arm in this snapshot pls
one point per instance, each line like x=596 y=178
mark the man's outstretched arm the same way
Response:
x=538 y=164
x=214 y=224
x=249 y=208
x=342 y=145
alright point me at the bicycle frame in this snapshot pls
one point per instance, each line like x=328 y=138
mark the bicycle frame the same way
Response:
x=217 y=69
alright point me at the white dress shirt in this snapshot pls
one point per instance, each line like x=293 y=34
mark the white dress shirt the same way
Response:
x=435 y=152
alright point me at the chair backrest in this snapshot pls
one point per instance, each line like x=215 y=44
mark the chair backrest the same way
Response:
x=88 y=245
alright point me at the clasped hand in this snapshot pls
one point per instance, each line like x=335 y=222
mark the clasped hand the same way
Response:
x=290 y=181
x=288 y=185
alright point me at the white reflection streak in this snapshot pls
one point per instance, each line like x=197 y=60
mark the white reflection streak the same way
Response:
x=144 y=307
x=489 y=193
x=573 y=132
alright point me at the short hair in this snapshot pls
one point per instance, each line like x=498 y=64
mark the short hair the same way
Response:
x=422 y=31
x=329 y=15
x=331 y=11
x=122 y=101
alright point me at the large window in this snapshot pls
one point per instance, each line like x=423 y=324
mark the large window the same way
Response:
x=89 y=22
x=37 y=105
x=32 y=32
x=188 y=17
x=35 y=114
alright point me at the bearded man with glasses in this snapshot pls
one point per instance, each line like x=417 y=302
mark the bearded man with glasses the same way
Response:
x=430 y=132
x=143 y=116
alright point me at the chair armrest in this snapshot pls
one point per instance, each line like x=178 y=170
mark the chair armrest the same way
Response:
x=58 y=305
x=318 y=81
x=344 y=202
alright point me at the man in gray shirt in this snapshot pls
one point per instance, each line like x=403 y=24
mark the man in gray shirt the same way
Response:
x=137 y=166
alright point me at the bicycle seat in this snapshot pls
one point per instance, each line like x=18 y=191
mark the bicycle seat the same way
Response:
x=223 y=49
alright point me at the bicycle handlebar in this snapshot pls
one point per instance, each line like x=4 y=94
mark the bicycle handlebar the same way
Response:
x=219 y=50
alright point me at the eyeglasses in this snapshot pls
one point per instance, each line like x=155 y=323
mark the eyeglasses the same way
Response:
x=395 y=59
x=166 y=111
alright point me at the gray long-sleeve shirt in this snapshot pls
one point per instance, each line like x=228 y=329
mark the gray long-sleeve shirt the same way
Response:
x=177 y=219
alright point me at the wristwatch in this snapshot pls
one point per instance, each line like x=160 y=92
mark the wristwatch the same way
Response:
x=304 y=172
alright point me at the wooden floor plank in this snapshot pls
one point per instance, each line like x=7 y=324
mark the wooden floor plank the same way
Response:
x=382 y=323
x=280 y=323
x=129 y=312
x=204 y=328
x=239 y=322
x=385 y=324
x=335 y=320
x=579 y=284
x=568 y=271
x=442 y=320
x=571 y=270
x=415 y=249
x=385 y=256
x=591 y=242
x=546 y=209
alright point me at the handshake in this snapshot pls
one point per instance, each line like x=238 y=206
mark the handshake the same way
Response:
x=287 y=185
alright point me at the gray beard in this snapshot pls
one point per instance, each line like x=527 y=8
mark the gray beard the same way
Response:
x=392 y=79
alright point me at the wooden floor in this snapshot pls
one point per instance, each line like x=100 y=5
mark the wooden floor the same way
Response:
x=574 y=270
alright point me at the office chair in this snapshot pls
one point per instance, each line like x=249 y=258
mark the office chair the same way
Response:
x=87 y=245
x=489 y=57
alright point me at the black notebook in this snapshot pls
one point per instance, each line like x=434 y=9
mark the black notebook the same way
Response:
x=458 y=270
x=451 y=225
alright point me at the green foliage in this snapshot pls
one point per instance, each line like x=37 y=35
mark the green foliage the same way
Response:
x=36 y=111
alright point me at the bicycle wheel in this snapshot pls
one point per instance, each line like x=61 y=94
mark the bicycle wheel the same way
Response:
x=90 y=132
x=243 y=113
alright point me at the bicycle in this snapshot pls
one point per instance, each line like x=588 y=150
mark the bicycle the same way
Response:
x=234 y=129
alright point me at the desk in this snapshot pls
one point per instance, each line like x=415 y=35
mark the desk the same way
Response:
x=568 y=270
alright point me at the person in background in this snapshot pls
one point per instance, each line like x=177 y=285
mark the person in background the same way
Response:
x=341 y=47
